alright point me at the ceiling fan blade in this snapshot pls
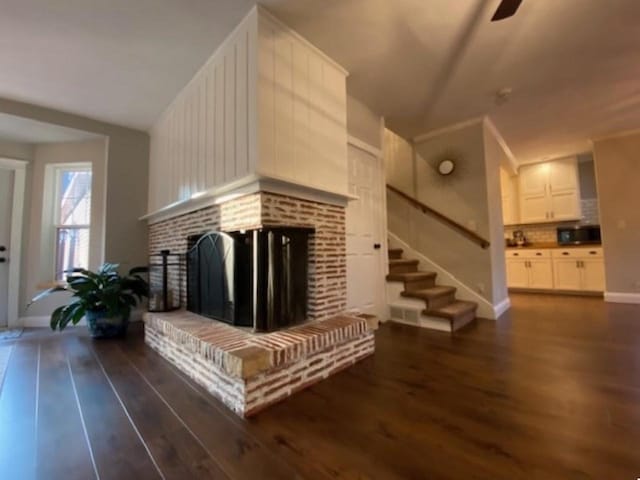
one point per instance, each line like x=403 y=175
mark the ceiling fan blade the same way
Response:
x=506 y=9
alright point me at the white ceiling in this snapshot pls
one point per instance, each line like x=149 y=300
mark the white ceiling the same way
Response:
x=24 y=130
x=573 y=65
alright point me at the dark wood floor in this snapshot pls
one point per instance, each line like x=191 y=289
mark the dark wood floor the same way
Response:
x=550 y=391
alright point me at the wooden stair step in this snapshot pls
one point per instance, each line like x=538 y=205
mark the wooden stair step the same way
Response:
x=402 y=262
x=395 y=253
x=403 y=266
x=430 y=294
x=410 y=276
x=456 y=309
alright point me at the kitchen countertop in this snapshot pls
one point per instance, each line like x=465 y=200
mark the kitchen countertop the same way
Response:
x=546 y=245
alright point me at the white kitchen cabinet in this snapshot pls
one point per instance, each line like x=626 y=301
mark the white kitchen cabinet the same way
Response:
x=566 y=274
x=517 y=273
x=563 y=269
x=529 y=269
x=579 y=269
x=540 y=273
x=550 y=191
x=593 y=275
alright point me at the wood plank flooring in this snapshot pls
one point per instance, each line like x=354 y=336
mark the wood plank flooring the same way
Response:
x=550 y=391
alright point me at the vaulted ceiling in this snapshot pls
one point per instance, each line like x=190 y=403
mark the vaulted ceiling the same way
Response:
x=572 y=65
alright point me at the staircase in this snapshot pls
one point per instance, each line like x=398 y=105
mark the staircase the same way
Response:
x=416 y=299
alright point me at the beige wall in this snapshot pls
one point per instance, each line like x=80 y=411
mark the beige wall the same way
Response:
x=470 y=196
x=363 y=123
x=39 y=247
x=16 y=151
x=494 y=157
x=127 y=164
x=617 y=162
x=398 y=162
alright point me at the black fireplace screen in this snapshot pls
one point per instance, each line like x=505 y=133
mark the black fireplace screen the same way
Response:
x=256 y=278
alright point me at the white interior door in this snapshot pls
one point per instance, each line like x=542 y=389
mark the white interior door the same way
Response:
x=364 y=230
x=6 y=207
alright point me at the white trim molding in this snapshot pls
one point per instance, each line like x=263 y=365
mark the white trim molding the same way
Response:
x=619 y=297
x=15 y=242
x=502 y=307
x=513 y=162
x=246 y=186
x=451 y=128
x=364 y=146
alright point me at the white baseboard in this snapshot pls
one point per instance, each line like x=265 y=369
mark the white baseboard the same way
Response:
x=616 y=297
x=44 y=320
x=502 y=307
x=38 y=322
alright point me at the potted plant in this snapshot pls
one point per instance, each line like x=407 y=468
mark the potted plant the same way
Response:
x=104 y=298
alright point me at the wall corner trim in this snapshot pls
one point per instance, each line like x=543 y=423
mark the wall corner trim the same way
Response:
x=502 y=307
x=620 y=297
x=364 y=146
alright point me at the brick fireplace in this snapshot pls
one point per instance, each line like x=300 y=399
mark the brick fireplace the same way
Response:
x=245 y=369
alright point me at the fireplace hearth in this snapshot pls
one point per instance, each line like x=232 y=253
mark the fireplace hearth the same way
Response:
x=256 y=278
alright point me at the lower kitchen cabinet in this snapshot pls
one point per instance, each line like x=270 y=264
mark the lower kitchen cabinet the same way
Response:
x=529 y=269
x=569 y=269
x=580 y=269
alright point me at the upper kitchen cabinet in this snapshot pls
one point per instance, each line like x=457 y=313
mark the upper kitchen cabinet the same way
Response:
x=266 y=106
x=509 y=187
x=550 y=192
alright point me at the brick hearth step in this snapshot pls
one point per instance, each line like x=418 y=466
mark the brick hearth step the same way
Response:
x=249 y=371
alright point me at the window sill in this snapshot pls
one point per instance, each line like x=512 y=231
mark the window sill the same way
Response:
x=52 y=284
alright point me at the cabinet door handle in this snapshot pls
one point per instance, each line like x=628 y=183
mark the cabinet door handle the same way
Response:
x=565 y=253
x=539 y=254
x=593 y=253
x=577 y=264
x=553 y=215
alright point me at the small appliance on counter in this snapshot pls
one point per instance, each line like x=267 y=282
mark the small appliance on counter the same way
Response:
x=579 y=235
x=519 y=239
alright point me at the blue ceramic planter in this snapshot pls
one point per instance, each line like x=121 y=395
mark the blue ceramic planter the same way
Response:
x=101 y=326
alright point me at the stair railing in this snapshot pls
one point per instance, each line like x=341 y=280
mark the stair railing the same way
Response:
x=470 y=234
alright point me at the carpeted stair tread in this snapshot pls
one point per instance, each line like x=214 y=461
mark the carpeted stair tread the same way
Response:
x=454 y=310
x=395 y=253
x=402 y=261
x=410 y=276
x=430 y=293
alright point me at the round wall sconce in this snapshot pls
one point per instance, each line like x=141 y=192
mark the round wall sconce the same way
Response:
x=446 y=167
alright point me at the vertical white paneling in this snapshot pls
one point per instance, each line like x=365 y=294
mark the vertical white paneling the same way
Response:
x=202 y=135
x=252 y=97
x=219 y=125
x=301 y=109
x=266 y=106
x=266 y=102
x=229 y=115
x=283 y=86
x=210 y=127
x=241 y=108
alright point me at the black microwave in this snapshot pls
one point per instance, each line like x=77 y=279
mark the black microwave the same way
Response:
x=579 y=235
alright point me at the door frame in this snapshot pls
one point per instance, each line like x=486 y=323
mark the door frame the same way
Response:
x=383 y=265
x=19 y=168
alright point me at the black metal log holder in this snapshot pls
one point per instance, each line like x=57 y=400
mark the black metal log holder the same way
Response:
x=165 y=280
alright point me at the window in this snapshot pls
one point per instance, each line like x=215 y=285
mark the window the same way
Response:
x=72 y=218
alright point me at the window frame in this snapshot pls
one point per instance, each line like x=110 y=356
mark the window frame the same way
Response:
x=56 y=224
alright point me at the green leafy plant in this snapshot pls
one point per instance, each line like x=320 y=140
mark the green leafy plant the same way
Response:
x=102 y=291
